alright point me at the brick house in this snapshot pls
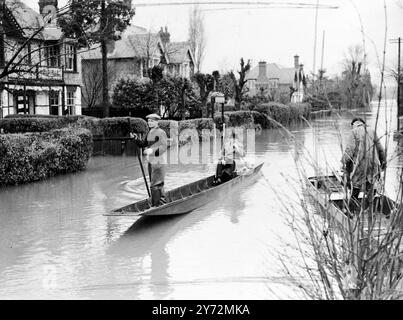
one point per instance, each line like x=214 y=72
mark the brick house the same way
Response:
x=131 y=57
x=48 y=80
x=270 y=79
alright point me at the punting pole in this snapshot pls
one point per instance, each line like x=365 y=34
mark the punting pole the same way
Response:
x=140 y=160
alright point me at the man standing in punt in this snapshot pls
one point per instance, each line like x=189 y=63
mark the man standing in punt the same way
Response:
x=155 y=146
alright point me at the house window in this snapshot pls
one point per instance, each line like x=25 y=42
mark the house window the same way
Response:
x=53 y=55
x=185 y=70
x=54 y=102
x=71 y=98
x=273 y=84
x=252 y=84
x=71 y=57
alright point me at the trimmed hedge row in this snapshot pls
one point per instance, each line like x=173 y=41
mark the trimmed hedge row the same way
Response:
x=25 y=124
x=21 y=123
x=37 y=156
x=240 y=119
x=177 y=127
x=107 y=127
x=113 y=127
x=261 y=119
x=68 y=119
x=170 y=127
x=284 y=114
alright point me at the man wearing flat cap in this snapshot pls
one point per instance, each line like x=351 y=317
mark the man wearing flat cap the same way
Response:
x=363 y=161
x=155 y=146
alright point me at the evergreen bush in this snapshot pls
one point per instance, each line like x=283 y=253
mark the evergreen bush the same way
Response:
x=36 y=156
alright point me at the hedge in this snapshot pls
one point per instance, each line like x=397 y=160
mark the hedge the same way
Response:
x=177 y=127
x=23 y=116
x=240 y=119
x=169 y=126
x=25 y=124
x=113 y=127
x=69 y=119
x=37 y=156
x=204 y=124
x=300 y=109
x=218 y=120
x=284 y=114
x=261 y=119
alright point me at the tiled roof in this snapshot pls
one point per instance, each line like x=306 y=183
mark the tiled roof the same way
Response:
x=30 y=21
x=178 y=52
x=129 y=46
x=285 y=75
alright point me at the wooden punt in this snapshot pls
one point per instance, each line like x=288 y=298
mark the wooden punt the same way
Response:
x=329 y=193
x=187 y=198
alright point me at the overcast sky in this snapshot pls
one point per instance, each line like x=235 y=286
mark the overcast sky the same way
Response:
x=276 y=35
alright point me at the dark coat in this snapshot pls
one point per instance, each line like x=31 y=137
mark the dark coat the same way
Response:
x=157 y=141
x=363 y=156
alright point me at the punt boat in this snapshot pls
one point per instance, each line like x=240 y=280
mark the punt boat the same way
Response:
x=188 y=197
x=329 y=193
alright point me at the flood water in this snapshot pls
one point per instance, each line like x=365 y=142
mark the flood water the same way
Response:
x=55 y=242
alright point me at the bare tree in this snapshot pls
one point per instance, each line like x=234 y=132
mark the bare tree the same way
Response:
x=91 y=93
x=356 y=78
x=239 y=84
x=197 y=36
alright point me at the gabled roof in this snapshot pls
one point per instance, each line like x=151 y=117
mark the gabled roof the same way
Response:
x=141 y=45
x=30 y=21
x=179 y=52
x=10 y=24
x=274 y=71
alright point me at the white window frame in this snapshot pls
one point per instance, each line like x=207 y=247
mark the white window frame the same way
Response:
x=70 y=101
x=53 y=95
x=70 y=56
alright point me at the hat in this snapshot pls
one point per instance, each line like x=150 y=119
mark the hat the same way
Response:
x=357 y=119
x=153 y=116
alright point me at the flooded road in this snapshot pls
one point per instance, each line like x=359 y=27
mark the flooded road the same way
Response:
x=55 y=242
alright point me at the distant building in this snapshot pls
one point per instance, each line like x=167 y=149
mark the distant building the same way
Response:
x=180 y=58
x=270 y=79
x=131 y=57
x=49 y=77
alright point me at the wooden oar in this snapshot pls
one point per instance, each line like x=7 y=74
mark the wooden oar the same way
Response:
x=140 y=161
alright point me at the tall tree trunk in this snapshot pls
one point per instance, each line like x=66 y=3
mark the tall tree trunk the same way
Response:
x=105 y=94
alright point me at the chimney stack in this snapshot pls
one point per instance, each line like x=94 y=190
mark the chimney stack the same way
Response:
x=262 y=77
x=262 y=68
x=296 y=61
x=165 y=35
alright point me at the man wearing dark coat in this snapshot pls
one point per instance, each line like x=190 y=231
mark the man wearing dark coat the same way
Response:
x=155 y=146
x=363 y=161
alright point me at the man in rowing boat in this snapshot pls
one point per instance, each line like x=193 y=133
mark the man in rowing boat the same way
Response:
x=155 y=146
x=363 y=161
x=227 y=168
